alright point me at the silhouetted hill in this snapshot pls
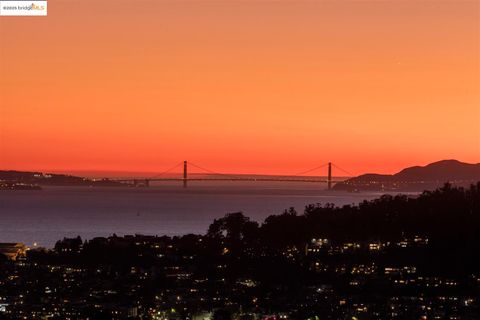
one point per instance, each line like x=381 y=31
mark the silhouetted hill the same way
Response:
x=416 y=178
x=39 y=178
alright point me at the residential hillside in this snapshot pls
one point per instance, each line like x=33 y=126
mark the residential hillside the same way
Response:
x=416 y=178
x=20 y=178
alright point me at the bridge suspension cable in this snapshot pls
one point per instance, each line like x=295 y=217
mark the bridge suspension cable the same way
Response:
x=232 y=176
x=310 y=170
x=211 y=171
x=167 y=171
x=343 y=170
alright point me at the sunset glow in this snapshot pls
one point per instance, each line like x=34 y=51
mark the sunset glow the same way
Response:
x=272 y=87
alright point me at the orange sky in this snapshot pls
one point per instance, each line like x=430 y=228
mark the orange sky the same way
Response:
x=240 y=86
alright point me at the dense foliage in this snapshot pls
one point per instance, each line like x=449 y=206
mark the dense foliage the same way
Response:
x=241 y=267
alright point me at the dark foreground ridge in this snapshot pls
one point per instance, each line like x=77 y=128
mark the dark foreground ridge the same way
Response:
x=389 y=258
x=416 y=178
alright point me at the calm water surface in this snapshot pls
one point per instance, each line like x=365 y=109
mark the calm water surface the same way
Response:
x=168 y=209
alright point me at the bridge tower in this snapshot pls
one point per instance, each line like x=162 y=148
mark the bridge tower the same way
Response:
x=185 y=174
x=329 y=179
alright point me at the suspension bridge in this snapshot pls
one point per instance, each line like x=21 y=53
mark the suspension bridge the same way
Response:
x=217 y=176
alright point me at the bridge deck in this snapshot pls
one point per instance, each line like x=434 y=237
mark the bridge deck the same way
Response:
x=226 y=179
